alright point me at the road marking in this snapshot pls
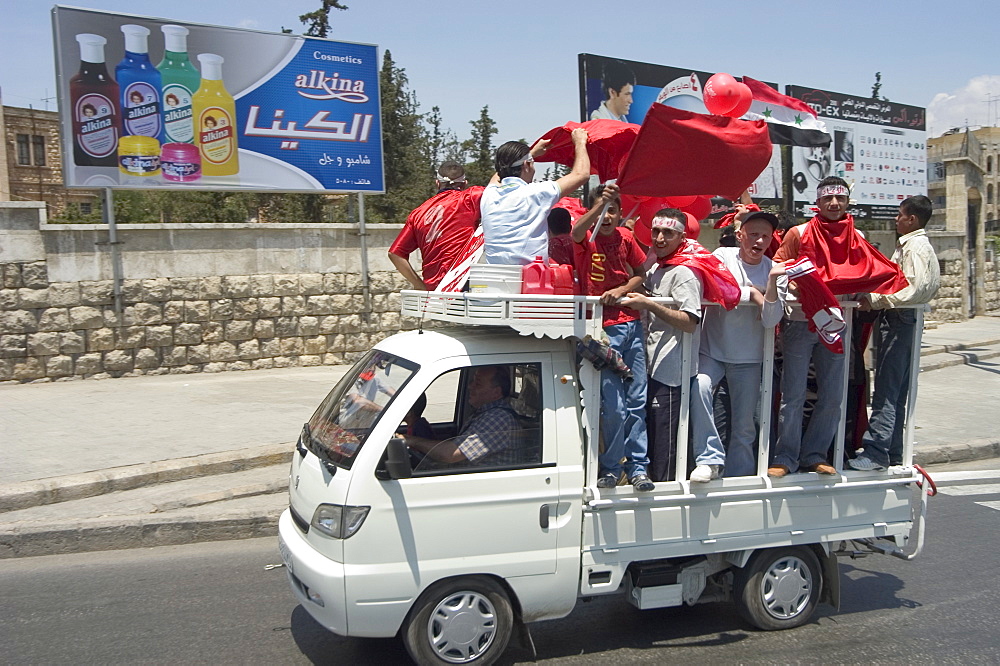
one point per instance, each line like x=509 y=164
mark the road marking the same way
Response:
x=974 y=489
x=990 y=505
x=974 y=475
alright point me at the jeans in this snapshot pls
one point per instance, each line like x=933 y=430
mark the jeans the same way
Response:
x=883 y=441
x=744 y=393
x=799 y=346
x=623 y=404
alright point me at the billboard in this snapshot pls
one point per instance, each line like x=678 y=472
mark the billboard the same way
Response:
x=152 y=103
x=677 y=87
x=880 y=147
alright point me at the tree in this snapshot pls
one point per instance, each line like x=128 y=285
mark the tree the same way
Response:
x=442 y=143
x=318 y=22
x=405 y=153
x=479 y=148
x=877 y=87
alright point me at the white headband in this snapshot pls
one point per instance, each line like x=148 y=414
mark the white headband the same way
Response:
x=832 y=191
x=668 y=223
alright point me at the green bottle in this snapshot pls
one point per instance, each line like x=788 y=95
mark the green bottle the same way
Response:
x=180 y=81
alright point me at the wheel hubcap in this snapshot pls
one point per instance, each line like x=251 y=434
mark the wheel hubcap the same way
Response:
x=462 y=627
x=787 y=587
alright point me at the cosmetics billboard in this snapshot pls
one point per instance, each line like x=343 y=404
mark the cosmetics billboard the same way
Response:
x=648 y=83
x=879 y=147
x=154 y=103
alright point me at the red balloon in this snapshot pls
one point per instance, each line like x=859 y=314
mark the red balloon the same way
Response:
x=680 y=201
x=693 y=228
x=649 y=208
x=721 y=94
x=643 y=232
x=630 y=205
x=700 y=209
x=743 y=102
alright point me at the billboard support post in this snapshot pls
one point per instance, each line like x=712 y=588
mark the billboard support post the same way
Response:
x=113 y=242
x=363 y=233
x=787 y=197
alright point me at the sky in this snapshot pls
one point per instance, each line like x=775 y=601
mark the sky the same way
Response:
x=521 y=59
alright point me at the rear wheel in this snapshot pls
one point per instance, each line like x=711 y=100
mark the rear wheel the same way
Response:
x=461 y=621
x=779 y=588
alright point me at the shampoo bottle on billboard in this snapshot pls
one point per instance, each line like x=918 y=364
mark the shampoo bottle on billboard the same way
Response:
x=215 y=117
x=94 y=98
x=180 y=81
x=140 y=86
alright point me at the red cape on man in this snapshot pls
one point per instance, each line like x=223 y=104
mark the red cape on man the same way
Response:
x=846 y=262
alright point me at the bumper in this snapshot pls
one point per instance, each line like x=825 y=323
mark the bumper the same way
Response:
x=311 y=574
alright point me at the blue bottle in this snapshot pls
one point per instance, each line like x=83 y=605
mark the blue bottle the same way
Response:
x=140 y=85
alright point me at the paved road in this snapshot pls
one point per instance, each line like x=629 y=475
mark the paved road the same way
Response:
x=216 y=603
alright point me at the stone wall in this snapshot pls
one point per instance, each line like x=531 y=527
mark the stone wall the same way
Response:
x=53 y=327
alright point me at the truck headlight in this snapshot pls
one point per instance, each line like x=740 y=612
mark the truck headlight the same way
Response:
x=337 y=521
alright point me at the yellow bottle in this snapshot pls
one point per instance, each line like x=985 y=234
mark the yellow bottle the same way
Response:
x=215 y=120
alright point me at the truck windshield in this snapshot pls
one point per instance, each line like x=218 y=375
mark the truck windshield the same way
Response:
x=339 y=427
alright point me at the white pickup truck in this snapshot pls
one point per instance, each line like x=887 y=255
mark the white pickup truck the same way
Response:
x=379 y=541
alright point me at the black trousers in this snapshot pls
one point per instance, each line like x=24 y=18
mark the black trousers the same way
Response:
x=663 y=414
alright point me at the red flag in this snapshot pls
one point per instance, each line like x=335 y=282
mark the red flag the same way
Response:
x=846 y=262
x=717 y=283
x=608 y=142
x=679 y=152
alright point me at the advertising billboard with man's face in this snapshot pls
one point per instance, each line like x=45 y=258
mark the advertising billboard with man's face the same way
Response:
x=152 y=103
x=625 y=89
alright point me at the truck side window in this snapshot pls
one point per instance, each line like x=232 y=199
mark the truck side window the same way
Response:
x=494 y=420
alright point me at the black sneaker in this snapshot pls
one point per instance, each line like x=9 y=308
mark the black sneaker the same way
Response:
x=606 y=481
x=642 y=483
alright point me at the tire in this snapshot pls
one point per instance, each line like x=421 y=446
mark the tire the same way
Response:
x=460 y=621
x=779 y=588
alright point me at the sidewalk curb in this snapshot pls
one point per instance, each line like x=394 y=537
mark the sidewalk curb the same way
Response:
x=966 y=358
x=27 y=494
x=962 y=346
x=975 y=449
x=133 y=532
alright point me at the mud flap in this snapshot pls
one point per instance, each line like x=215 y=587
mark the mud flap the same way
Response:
x=831 y=579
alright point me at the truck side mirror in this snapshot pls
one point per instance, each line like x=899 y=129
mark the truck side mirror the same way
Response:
x=397 y=461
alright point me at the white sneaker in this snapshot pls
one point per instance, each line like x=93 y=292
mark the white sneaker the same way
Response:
x=865 y=464
x=705 y=473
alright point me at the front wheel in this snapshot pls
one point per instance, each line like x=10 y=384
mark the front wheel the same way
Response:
x=460 y=621
x=779 y=588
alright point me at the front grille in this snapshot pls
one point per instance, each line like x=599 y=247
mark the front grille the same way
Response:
x=303 y=525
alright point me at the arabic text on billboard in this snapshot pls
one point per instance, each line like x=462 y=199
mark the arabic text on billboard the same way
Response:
x=151 y=103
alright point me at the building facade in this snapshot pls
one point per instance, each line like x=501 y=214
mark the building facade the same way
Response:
x=31 y=161
x=963 y=185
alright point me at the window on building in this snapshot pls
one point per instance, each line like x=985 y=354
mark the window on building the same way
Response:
x=24 y=149
x=989 y=164
x=86 y=208
x=30 y=146
x=989 y=194
x=38 y=149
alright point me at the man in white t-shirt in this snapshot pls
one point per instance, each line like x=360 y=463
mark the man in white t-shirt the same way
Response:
x=732 y=345
x=514 y=210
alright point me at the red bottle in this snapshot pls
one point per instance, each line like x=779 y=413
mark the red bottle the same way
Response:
x=94 y=98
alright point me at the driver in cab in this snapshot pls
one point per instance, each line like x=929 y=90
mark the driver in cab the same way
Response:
x=488 y=436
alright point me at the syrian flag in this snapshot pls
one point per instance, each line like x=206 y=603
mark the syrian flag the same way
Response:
x=790 y=121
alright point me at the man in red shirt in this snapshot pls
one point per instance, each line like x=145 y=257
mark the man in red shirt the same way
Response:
x=611 y=267
x=439 y=228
